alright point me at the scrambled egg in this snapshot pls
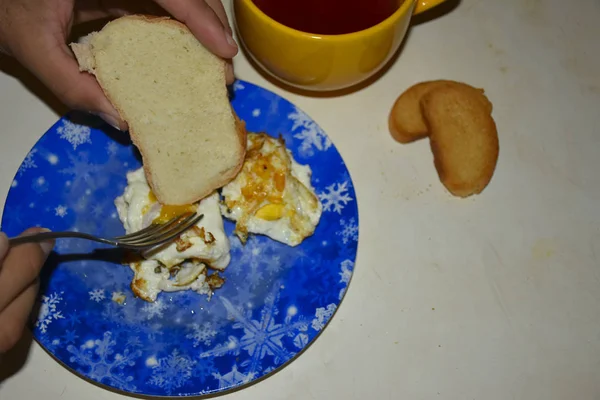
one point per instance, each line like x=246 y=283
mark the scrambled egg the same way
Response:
x=272 y=195
x=182 y=264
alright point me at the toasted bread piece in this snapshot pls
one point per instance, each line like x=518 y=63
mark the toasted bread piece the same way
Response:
x=406 y=121
x=463 y=137
x=171 y=91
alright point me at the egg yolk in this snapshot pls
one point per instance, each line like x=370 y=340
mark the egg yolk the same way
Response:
x=268 y=185
x=168 y=212
x=266 y=171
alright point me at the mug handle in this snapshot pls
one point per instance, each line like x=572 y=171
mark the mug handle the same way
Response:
x=424 y=5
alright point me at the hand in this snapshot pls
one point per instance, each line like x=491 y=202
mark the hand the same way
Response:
x=35 y=32
x=19 y=269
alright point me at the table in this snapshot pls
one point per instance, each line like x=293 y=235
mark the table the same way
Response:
x=494 y=297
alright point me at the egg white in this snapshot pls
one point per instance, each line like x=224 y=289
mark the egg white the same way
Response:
x=150 y=279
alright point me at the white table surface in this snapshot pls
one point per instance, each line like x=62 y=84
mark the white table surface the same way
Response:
x=494 y=297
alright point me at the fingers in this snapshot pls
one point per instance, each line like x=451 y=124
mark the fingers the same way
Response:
x=204 y=23
x=49 y=58
x=21 y=268
x=91 y=10
x=207 y=19
x=229 y=76
x=14 y=317
x=217 y=6
x=3 y=247
x=85 y=15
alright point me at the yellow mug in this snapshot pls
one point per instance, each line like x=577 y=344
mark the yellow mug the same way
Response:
x=322 y=62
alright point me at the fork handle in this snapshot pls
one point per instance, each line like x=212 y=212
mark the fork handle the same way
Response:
x=40 y=237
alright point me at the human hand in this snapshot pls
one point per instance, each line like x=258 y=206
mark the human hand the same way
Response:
x=35 y=32
x=19 y=270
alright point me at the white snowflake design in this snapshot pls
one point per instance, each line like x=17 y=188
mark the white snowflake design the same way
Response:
x=349 y=231
x=49 y=311
x=97 y=295
x=172 y=372
x=60 y=211
x=233 y=378
x=336 y=197
x=52 y=159
x=103 y=367
x=322 y=315
x=202 y=334
x=28 y=162
x=301 y=340
x=40 y=185
x=74 y=133
x=154 y=309
x=345 y=275
x=53 y=345
x=307 y=130
x=85 y=174
x=238 y=86
x=256 y=112
x=112 y=148
x=262 y=337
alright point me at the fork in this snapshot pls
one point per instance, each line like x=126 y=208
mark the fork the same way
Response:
x=148 y=238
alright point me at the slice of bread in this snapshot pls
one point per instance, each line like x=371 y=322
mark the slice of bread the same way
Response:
x=463 y=137
x=171 y=91
x=405 y=121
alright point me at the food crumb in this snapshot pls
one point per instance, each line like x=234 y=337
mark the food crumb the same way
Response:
x=118 y=297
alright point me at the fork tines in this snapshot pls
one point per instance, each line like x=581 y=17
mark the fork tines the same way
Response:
x=157 y=234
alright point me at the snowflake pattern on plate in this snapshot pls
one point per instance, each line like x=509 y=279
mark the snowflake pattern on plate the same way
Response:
x=276 y=298
x=49 y=311
x=28 y=162
x=76 y=134
x=103 y=364
x=310 y=134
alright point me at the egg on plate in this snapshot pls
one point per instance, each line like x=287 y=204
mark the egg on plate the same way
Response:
x=151 y=278
x=181 y=264
x=272 y=195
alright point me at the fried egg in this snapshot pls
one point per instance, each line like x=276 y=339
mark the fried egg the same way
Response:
x=172 y=267
x=272 y=195
x=151 y=278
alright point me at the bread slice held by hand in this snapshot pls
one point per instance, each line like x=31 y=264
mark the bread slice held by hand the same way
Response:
x=171 y=91
x=463 y=137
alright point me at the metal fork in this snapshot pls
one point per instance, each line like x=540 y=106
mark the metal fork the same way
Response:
x=148 y=238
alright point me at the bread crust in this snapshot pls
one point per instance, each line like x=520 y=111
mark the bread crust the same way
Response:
x=405 y=121
x=227 y=176
x=463 y=137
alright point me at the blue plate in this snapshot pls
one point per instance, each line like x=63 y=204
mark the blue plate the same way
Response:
x=274 y=303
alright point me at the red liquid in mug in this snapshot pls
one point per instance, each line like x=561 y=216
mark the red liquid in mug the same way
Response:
x=328 y=17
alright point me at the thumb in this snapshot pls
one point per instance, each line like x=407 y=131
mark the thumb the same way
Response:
x=50 y=59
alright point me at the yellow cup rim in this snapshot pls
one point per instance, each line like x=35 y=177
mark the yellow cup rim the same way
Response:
x=385 y=24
